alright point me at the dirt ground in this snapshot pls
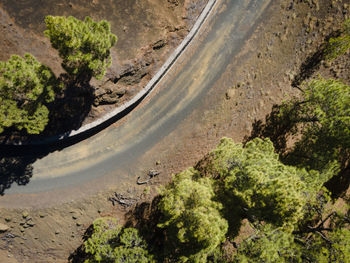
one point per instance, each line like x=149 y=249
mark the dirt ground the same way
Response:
x=260 y=76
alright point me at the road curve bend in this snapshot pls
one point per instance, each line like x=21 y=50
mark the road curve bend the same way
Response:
x=178 y=94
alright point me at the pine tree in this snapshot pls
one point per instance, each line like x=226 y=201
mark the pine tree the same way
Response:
x=110 y=242
x=317 y=239
x=322 y=117
x=26 y=86
x=269 y=245
x=191 y=218
x=262 y=187
x=84 y=46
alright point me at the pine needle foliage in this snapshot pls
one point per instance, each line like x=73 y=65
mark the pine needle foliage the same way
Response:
x=336 y=247
x=339 y=45
x=270 y=245
x=324 y=239
x=322 y=117
x=110 y=242
x=191 y=218
x=84 y=46
x=264 y=188
x=26 y=86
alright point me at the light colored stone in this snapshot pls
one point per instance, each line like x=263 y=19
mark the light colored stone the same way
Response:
x=3 y=228
x=25 y=214
x=230 y=93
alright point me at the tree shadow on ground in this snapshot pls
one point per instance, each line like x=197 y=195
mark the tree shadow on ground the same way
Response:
x=313 y=62
x=145 y=217
x=309 y=67
x=16 y=164
x=79 y=255
x=70 y=109
x=339 y=184
x=14 y=170
x=276 y=127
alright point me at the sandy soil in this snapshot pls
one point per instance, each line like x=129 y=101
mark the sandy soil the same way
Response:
x=260 y=76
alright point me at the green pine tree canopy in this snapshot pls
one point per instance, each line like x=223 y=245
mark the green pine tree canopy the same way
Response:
x=191 y=218
x=322 y=117
x=246 y=181
x=338 y=46
x=270 y=245
x=323 y=237
x=292 y=215
x=110 y=243
x=282 y=203
x=261 y=184
x=26 y=86
x=84 y=46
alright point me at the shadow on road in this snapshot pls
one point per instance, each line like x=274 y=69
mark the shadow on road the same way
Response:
x=17 y=168
x=23 y=156
x=70 y=109
x=14 y=170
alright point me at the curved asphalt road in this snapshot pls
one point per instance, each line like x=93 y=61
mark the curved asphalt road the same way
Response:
x=179 y=93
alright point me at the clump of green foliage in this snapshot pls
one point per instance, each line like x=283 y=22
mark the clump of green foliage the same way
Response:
x=339 y=45
x=261 y=184
x=268 y=244
x=290 y=213
x=250 y=182
x=334 y=248
x=322 y=117
x=26 y=86
x=324 y=237
x=110 y=242
x=191 y=218
x=84 y=46
x=277 y=200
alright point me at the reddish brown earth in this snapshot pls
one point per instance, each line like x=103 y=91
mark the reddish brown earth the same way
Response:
x=260 y=76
